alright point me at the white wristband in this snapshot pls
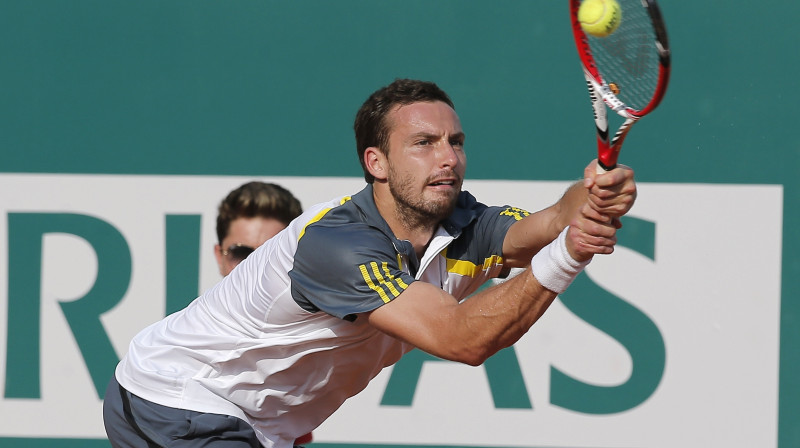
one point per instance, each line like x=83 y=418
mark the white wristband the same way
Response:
x=554 y=267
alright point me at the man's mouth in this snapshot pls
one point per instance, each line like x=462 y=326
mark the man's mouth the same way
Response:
x=437 y=183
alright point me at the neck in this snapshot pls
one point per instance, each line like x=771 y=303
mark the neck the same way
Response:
x=406 y=223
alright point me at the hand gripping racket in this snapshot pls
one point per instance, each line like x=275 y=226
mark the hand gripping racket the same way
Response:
x=627 y=71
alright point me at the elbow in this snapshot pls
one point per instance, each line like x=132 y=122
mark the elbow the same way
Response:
x=460 y=353
x=475 y=362
x=473 y=356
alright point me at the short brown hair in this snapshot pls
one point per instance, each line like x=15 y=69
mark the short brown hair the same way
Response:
x=256 y=199
x=371 y=127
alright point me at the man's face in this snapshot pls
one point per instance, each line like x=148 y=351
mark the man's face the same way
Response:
x=426 y=159
x=244 y=234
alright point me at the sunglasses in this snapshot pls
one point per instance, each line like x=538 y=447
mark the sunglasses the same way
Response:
x=237 y=252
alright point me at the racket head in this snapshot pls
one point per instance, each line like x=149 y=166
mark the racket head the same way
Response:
x=628 y=70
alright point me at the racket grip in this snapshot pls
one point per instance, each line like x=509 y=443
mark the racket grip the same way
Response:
x=600 y=169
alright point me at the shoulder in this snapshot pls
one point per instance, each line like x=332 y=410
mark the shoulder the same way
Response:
x=342 y=240
x=344 y=266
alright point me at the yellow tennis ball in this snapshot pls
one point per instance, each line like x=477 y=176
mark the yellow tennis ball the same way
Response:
x=599 y=17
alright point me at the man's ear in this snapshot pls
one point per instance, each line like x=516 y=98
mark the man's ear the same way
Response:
x=376 y=162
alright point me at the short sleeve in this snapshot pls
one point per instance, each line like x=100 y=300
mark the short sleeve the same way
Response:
x=493 y=223
x=345 y=270
x=485 y=230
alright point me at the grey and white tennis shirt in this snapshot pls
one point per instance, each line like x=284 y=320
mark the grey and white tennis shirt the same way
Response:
x=278 y=343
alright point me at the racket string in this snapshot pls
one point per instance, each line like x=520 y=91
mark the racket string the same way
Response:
x=628 y=59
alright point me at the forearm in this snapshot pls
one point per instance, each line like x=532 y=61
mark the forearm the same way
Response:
x=470 y=331
x=499 y=316
x=527 y=295
x=495 y=318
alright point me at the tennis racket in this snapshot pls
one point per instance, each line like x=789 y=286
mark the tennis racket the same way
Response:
x=626 y=71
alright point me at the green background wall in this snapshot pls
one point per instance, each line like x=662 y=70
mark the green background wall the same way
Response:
x=271 y=88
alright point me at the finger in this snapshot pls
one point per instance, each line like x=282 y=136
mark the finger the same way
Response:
x=620 y=175
x=600 y=233
x=616 y=200
x=616 y=206
x=593 y=237
x=587 y=245
x=589 y=174
x=590 y=211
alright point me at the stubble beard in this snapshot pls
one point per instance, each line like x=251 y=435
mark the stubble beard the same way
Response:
x=415 y=211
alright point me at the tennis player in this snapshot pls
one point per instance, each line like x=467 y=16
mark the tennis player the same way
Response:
x=311 y=316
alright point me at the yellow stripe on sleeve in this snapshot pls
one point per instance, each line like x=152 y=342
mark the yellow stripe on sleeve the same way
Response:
x=517 y=213
x=372 y=285
x=380 y=282
x=398 y=280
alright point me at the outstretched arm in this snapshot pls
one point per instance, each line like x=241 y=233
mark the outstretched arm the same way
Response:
x=468 y=332
x=473 y=330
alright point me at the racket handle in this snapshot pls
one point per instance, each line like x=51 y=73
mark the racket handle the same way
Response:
x=600 y=169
